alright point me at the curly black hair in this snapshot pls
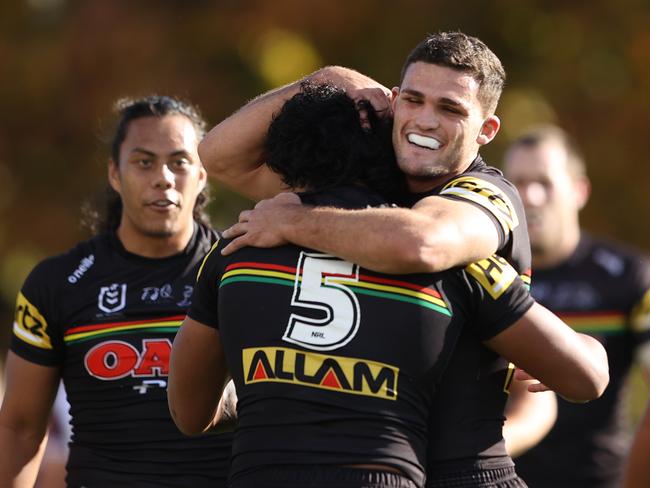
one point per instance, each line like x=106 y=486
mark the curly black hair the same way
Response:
x=317 y=141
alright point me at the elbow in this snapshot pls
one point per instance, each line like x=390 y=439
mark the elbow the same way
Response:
x=593 y=383
x=213 y=161
x=187 y=423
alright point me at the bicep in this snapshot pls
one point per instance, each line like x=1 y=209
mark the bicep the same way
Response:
x=197 y=375
x=29 y=393
x=459 y=230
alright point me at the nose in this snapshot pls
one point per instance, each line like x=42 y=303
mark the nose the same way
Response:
x=532 y=194
x=427 y=119
x=165 y=177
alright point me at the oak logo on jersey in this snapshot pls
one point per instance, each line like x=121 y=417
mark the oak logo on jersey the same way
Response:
x=112 y=360
x=488 y=196
x=336 y=373
x=112 y=298
x=29 y=325
x=494 y=274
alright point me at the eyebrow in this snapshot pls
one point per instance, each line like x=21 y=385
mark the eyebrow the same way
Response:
x=180 y=152
x=445 y=100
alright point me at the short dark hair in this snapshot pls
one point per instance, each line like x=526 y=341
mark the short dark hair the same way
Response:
x=463 y=53
x=317 y=141
x=537 y=135
x=107 y=215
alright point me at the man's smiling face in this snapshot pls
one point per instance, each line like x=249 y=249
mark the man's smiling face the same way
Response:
x=439 y=124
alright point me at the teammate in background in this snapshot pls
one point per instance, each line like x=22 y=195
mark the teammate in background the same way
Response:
x=103 y=317
x=337 y=366
x=597 y=287
x=462 y=210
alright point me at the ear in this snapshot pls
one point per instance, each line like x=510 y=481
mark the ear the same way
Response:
x=114 y=175
x=489 y=130
x=582 y=187
x=203 y=178
x=394 y=93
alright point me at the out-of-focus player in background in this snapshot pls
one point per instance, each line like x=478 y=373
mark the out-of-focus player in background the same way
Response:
x=103 y=316
x=598 y=287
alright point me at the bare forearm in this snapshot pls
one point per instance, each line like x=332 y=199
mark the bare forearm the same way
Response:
x=21 y=458
x=386 y=240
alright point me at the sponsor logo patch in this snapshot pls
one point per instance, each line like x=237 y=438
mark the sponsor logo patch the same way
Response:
x=336 y=373
x=29 y=325
x=85 y=264
x=494 y=274
x=489 y=196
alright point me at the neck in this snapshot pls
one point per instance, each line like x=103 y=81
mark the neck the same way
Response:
x=421 y=184
x=154 y=246
x=550 y=258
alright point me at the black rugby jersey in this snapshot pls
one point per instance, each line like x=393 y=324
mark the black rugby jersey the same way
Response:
x=601 y=290
x=467 y=417
x=107 y=318
x=335 y=364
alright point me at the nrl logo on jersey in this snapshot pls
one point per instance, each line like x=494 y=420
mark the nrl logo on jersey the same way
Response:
x=112 y=298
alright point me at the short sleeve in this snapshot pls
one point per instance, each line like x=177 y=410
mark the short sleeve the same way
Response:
x=494 y=195
x=36 y=333
x=501 y=297
x=639 y=319
x=206 y=291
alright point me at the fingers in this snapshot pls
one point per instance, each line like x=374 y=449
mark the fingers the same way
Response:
x=234 y=245
x=521 y=375
x=538 y=387
x=235 y=230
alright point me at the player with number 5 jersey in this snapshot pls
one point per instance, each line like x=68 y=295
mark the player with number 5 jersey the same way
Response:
x=337 y=367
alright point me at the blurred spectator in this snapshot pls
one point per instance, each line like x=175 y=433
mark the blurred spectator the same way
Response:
x=597 y=287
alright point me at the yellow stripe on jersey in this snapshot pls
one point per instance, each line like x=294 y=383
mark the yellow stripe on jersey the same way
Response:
x=640 y=316
x=29 y=325
x=214 y=246
x=487 y=196
x=494 y=274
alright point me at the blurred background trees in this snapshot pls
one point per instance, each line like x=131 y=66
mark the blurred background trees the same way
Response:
x=583 y=65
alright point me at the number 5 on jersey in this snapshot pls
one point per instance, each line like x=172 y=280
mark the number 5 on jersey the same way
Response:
x=320 y=285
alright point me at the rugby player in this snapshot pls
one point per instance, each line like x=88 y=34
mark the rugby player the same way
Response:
x=462 y=210
x=336 y=366
x=598 y=287
x=103 y=316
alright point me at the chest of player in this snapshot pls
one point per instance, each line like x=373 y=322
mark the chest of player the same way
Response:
x=119 y=327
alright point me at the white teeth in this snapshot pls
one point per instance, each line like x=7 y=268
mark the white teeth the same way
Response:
x=428 y=142
x=163 y=203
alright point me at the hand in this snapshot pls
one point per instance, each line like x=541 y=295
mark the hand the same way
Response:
x=521 y=375
x=260 y=227
x=378 y=97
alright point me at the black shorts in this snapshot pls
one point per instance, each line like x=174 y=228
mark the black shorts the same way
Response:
x=505 y=477
x=300 y=476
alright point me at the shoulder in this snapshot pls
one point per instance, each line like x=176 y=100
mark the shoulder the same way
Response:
x=68 y=267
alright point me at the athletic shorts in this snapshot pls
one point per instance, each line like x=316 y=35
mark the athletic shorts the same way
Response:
x=300 y=476
x=485 y=478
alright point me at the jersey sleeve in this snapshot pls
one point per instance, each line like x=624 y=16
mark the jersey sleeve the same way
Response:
x=501 y=297
x=36 y=331
x=206 y=290
x=494 y=195
x=639 y=318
